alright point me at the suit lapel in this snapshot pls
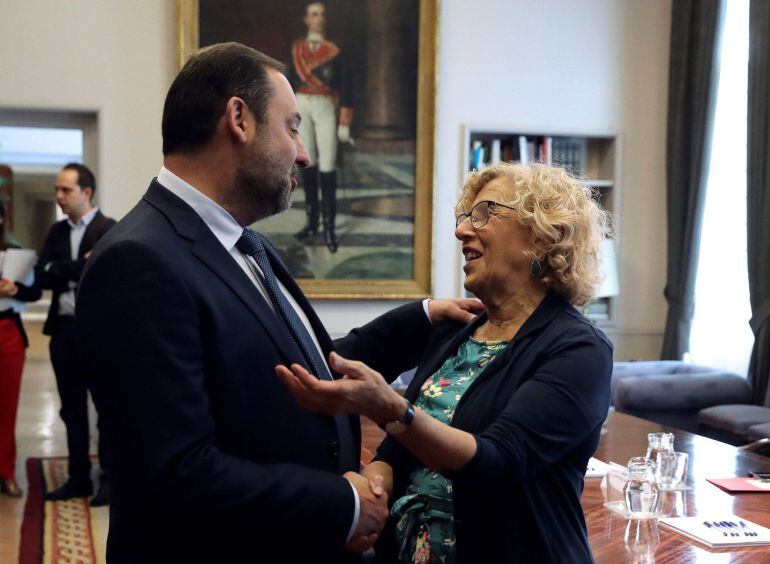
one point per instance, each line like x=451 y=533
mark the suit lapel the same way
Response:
x=207 y=248
x=63 y=249
x=90 y=234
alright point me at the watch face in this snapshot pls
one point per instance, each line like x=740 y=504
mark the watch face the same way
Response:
x=396 y=427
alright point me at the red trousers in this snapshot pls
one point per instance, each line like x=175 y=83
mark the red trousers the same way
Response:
x=11 y=365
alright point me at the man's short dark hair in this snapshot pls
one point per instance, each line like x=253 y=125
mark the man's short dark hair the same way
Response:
x=199 y=93
x=86 y=178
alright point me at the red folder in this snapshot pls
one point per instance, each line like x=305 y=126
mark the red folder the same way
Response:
x=735 y=485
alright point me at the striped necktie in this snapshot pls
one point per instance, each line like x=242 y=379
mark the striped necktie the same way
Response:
x=251 y=244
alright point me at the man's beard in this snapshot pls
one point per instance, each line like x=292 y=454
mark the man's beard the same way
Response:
x=263 y=188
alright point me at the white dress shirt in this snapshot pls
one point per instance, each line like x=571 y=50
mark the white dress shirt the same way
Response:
x=227 y=231
x=77 y=231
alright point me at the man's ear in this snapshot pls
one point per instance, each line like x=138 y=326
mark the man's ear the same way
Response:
x=89 y=192
x=237 y=116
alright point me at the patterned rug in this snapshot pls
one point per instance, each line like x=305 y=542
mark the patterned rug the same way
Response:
x=54 y=531
x=65 y=532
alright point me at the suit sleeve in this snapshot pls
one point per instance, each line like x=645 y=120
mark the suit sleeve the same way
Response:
x=56 y=273
x=147 y=354
x=27 y=293
x=45 y=277
x=392 y=343
x=547 y=416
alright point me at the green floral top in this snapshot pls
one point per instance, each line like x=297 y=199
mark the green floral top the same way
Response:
x=424 y=523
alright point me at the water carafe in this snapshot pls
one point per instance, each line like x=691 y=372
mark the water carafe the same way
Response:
x=657 y=443
x=642 y=489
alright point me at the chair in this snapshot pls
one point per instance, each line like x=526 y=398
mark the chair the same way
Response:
x=672 y=392
x=735 y=423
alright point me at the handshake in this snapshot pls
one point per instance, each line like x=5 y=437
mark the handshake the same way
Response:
x=373 y=494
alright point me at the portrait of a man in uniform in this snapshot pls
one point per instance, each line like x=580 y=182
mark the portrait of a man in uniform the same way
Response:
x=324 y=89
x=353 y=66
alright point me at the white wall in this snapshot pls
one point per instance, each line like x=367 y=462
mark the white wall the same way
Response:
x=115 y=58
x=566 y=65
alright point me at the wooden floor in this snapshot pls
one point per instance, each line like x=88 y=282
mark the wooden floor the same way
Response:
x=40 y=432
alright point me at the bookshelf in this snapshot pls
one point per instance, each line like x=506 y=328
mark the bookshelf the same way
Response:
x=593 y=157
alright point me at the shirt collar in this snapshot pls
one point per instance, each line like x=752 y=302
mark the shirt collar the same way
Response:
x=219 y=221
x=84 y=220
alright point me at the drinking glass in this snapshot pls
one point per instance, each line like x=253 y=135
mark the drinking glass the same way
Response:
x=672 y=503
x=672 y=469
x=641 y=490
x=659 y=442
x=641 y=539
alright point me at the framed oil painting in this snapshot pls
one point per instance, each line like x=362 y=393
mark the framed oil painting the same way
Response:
x=364 y=72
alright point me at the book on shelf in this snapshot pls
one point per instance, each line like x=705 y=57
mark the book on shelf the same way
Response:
x=566 y=152
x=477 y=156
x=495 y=152
x=570 y=153
x=523 y=150
x=508 y=151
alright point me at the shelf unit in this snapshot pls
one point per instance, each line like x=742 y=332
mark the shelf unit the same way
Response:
x=593 y=156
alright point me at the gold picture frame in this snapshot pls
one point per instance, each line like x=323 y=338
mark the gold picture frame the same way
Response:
x=419 y=284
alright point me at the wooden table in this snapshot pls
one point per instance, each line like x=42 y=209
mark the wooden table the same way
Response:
x=626 y=436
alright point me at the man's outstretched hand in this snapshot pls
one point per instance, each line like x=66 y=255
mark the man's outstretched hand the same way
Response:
x=361 y=390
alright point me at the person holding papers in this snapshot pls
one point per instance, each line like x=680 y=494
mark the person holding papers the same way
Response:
x=486 y=452
x=13 y=342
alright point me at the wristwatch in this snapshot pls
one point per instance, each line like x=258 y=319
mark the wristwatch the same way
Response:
x=402 y=424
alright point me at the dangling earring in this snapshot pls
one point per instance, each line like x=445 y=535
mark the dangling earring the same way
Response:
x=535 y=269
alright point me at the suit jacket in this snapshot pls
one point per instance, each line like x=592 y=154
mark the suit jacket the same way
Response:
x=536 y=412
x=214 y=460
x=62 y=269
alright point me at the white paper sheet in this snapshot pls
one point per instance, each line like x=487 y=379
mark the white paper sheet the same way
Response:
x=18 y=264
x=596 y=468
x=719 y=530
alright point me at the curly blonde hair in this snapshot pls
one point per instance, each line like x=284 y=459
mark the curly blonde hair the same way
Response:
x=567 y=223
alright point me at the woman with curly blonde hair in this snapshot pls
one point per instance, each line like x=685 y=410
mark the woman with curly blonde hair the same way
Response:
x=486 y=452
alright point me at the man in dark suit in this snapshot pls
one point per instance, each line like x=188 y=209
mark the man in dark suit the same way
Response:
x=187 y=313
x=62 y=259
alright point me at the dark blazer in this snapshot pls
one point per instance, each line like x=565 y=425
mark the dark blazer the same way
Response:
x=62 y=269
x=536 y=412
x=214 y=460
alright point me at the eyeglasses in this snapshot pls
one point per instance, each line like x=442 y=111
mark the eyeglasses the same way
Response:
x=480 y=213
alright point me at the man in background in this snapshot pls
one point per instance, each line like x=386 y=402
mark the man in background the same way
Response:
x=323 y=84
x=62 y=259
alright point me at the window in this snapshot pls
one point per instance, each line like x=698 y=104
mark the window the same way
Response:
x=721 y=336
x=26 y=147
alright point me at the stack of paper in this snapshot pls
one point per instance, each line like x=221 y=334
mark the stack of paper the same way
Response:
x=17 y=264
x=596 y=468
x=717 y=531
